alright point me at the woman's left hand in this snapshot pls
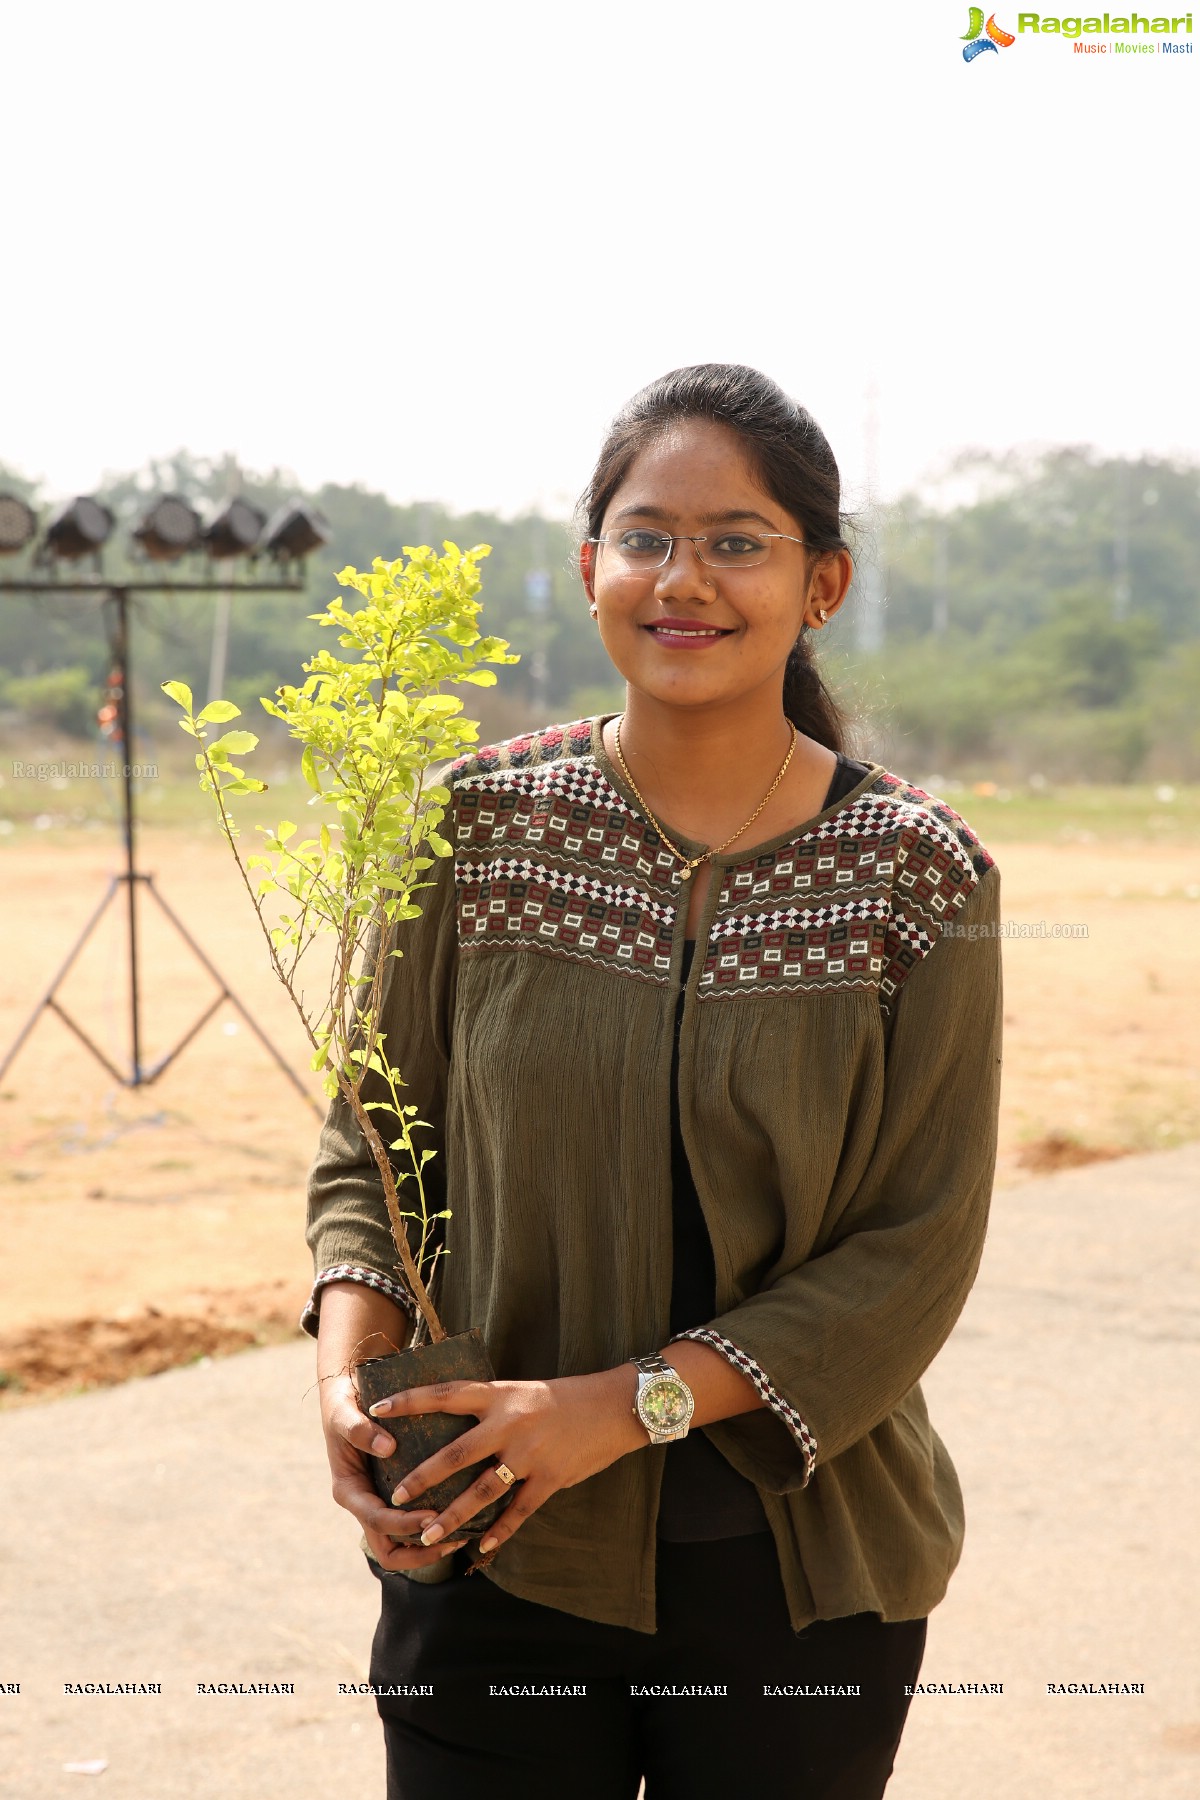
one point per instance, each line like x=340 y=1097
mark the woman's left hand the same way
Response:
x=550 y=1434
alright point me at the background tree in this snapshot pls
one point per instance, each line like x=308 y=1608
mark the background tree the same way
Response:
x=1041 y=623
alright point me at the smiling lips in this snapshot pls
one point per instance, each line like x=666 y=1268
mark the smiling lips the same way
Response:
x=685 y=633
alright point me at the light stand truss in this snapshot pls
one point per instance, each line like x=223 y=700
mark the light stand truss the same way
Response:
x=131 y=878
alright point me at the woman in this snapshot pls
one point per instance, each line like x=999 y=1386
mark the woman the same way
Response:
x=706 y=1017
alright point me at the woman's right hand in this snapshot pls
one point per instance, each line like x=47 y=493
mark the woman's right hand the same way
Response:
x=351 y=1313
x=350 y=1438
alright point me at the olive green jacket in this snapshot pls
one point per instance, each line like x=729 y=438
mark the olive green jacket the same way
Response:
x=839 y=1078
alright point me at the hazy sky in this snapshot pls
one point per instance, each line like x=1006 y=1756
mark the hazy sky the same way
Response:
x=432 y=247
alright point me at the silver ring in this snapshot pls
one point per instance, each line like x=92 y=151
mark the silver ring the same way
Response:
x=505 y=1473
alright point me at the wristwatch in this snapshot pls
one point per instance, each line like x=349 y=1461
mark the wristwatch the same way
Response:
x=664 y=1401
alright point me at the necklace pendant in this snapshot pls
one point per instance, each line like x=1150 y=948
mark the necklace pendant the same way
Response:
x=684 y=874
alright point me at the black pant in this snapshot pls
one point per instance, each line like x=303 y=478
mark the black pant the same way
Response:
x=722 y=1622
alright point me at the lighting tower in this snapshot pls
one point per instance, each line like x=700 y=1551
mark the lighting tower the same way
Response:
x=168 y=531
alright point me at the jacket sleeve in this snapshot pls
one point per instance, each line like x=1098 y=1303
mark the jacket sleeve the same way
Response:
x=834 y=1345
x=348 y=1230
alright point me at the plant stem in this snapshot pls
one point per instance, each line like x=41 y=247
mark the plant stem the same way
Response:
x=387 y=1175
x=350 y=1090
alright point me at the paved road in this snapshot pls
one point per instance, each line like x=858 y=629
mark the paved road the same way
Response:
x=144 y=1540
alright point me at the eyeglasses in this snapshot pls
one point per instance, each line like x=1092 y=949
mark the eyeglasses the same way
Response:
x=640 y=551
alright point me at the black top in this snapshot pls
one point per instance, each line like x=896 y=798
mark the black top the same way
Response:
x=703 y=1496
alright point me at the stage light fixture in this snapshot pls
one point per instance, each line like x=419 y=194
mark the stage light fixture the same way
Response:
x=78 y=527
x=168 y=528
x=235 y=530
x=18 y=523
x=294 y=531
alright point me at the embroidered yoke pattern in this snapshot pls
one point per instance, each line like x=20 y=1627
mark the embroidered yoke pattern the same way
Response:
x=549 y=856
x=858 y=901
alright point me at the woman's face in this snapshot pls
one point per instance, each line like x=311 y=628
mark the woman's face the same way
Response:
x=688 y=634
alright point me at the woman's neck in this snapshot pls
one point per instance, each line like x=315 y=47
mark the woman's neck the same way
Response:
x=715 y=755
x=704 y=771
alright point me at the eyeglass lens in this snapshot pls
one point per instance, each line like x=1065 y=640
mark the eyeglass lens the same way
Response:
x=643 y=550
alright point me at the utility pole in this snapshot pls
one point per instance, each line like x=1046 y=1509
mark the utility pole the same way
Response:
x=869 y=575
x=538 y=590
x=1121 y=590
x=941 y=576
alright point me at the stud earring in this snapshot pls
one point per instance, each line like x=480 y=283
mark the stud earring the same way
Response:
x=822 y=615
x=593 y=611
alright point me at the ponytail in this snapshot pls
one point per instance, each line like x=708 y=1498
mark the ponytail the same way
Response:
x=807 y=702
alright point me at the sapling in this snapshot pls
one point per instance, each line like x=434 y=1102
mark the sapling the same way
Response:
x=375 y=726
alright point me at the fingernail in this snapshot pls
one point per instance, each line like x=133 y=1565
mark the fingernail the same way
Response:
x=431 y=1534
x=380 y=1407
x=489 y=1544
x=400 y=1496
x=450 y=1549
x=380 y=1444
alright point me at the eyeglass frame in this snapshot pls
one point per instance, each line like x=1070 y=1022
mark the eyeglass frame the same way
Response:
x=695 y=539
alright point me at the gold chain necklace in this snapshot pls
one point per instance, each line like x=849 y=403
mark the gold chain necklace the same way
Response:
x=693 y=862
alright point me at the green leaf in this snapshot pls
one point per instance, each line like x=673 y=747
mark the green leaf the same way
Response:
x=179 y=692
x=217 y=711
x=233 y=743
x=308 y=767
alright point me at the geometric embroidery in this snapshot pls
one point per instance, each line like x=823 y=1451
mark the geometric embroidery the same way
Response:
x=783 y=1409
x=512 y=868
x=383 y=1284
x=520 y=752
x=508 y=905
x=597 y=832
x=552 y=857
x=931 y=809
x=898 y=865
x=839 y=945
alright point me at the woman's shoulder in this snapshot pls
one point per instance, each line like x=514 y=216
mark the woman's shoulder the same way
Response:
x=925 y=815
x=556 y=745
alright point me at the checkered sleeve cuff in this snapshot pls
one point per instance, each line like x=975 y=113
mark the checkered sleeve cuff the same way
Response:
x=805 y=1441
x=383 y=1284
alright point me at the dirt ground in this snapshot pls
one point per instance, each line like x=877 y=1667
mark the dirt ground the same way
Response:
x=152 y=1226
x=194 y=1540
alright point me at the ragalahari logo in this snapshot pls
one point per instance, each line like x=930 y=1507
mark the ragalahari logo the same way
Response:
x=974 y=41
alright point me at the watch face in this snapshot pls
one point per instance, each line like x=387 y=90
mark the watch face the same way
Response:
x=665 y=1404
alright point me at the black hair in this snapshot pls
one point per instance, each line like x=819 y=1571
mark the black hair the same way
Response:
x=791 y=457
